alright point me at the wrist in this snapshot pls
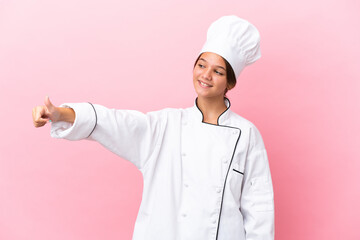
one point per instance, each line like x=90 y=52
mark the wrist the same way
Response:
x=66 y=114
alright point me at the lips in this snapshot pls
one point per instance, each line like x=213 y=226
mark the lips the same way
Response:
x=204 y=84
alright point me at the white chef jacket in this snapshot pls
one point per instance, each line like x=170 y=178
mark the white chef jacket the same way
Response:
x=201 y=181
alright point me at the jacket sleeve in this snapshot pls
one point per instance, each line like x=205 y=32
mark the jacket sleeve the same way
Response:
x=257 y=198
x=130 y=134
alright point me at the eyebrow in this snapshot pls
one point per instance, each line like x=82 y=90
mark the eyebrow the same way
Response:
x=215 y=65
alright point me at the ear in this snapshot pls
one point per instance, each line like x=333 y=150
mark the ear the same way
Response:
x=230 y=86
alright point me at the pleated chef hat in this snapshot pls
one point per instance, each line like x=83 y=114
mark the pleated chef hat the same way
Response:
x=235 y=39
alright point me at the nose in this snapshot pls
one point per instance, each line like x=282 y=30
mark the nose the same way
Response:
x=207 y=74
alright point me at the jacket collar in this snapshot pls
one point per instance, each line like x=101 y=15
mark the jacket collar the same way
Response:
x=199 y=117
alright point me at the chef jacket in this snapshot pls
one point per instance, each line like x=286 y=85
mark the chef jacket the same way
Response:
x=202 y=181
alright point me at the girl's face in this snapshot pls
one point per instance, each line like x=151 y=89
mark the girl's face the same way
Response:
x=209 y=76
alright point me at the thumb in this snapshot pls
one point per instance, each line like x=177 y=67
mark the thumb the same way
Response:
x=49 y=104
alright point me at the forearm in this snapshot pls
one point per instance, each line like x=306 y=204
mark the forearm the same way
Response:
x=66 y=114
x=75 y=121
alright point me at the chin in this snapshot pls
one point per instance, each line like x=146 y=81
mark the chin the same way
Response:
x=202 y=95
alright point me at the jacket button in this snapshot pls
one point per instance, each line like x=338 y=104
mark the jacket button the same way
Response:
x=218 y=190
x=184 y=215
x=214 y=221
x=183 y=154
x=235 y=132
x=186 y=185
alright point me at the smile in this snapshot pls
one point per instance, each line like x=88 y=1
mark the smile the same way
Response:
x=204 y=85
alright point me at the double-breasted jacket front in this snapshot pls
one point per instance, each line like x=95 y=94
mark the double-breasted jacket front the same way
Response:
x=201 y=181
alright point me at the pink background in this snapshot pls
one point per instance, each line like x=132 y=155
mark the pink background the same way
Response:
x=303 y=95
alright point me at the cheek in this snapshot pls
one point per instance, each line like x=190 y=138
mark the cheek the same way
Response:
x=194 y=78
x=196 y=71
x=195 y=75
x=223 y=82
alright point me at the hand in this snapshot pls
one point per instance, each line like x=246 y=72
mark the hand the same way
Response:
x=42 y=114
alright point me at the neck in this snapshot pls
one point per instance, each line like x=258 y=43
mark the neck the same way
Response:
x=211 y=108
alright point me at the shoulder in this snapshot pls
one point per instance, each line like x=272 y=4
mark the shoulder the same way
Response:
x=249 y=129
x=239 y=121
x=166 y=113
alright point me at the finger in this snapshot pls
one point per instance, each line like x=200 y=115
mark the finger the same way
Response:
x=49 y=104
x=39 y=124
x=34 y=113
x=40 y=113
x=39 y=116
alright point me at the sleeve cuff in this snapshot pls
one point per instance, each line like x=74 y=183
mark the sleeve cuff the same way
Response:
x=84 y=124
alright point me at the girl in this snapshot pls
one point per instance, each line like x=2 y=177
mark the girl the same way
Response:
x=205 y=168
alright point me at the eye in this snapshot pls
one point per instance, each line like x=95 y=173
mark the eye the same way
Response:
x=201 y=66
x=219 y=73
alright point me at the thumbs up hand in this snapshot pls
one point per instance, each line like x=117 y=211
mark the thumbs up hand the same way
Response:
x=43 y=114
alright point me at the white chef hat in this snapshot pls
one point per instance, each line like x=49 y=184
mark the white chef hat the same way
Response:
x=235 y=39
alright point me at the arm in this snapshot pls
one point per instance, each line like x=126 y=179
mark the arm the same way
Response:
x=130 y=134
x=66 y=115
x=257 y=199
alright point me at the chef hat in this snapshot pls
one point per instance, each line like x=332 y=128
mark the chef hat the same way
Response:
x=235 y=39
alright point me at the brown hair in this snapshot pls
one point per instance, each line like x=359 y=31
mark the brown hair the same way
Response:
x=230 y=75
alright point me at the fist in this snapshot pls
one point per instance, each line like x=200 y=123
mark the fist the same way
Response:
x=42 y=114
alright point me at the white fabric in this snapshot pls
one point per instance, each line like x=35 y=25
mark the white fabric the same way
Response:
x=235 y=39
x=185 y=163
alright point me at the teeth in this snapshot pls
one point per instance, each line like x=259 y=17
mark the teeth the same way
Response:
x=204 y=84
